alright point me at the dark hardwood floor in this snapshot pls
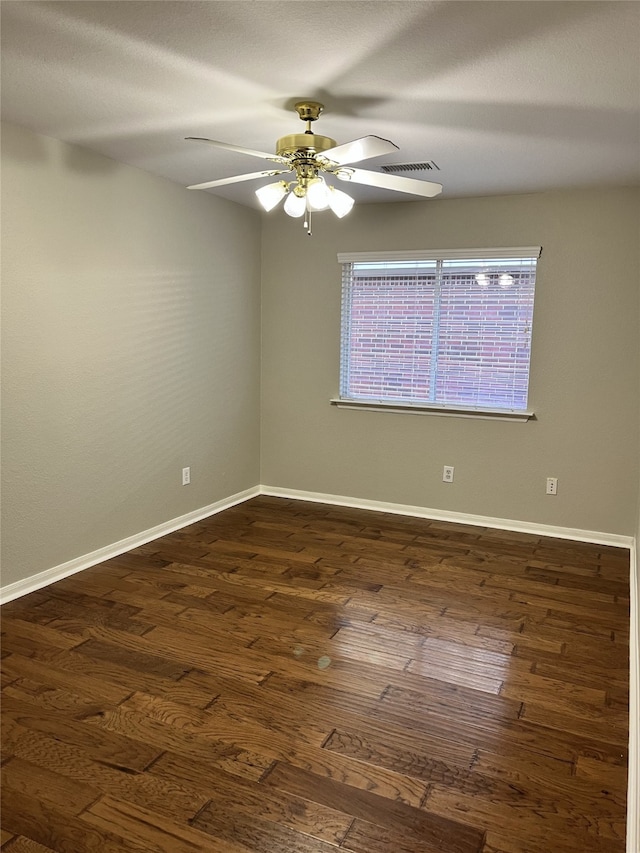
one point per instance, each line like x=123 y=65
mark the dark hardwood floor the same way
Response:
x=288 y=677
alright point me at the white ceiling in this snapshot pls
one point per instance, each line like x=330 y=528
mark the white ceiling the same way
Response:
x=504 y=96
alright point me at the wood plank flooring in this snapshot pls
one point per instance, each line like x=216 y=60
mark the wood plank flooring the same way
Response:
x=288 y=677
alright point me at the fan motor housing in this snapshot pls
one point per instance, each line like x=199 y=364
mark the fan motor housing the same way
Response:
x=303 y=143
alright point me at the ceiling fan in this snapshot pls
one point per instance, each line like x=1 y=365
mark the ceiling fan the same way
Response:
x=310 y=157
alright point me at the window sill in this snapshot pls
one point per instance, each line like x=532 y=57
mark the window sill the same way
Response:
x=442 y=411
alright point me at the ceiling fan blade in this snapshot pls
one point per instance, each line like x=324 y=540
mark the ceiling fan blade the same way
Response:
x=359 y=149
x=237 y=148
x=390 y=182
x=236 y=179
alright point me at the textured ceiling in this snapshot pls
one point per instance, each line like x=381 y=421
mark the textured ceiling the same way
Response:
x=504 y=97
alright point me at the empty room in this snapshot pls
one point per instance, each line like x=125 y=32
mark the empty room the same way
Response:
x=320 y=426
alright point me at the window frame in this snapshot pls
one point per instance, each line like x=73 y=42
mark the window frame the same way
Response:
x=408 y=406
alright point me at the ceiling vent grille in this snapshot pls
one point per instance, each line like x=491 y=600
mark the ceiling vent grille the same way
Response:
x=411 y=167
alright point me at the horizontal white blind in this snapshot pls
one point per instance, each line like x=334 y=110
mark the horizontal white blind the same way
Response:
x=451 y=330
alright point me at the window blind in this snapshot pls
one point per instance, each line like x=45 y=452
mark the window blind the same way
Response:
x=442 y=327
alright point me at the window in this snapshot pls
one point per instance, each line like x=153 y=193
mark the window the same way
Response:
x=442 y=330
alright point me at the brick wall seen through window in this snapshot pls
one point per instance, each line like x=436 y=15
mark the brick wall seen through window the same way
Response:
x=444 y=332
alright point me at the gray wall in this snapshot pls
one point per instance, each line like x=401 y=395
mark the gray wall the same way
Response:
x=584 y=371
x=130 y=349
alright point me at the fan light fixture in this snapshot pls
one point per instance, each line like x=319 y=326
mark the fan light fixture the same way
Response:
x=311 y=156
x=271 y=195
x=339 y=202
x=295 y=205
x=316 y=196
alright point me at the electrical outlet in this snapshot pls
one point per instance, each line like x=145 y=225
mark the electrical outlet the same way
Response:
x=186 y=476
x=447 y=474
x=552 y=485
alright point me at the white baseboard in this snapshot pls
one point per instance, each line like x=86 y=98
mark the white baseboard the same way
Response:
x=31 y=584
x=594 y=537
x=633 y=790
x=42 y=579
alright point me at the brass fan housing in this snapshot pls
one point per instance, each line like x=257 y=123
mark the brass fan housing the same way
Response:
x=305 y=144
x=309 y=110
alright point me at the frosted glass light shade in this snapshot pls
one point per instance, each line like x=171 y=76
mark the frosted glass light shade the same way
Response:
x=339 y=202
x=482 y=279
x=271 y=194
x=318 y=195
x=506 y=280
x=295 y=205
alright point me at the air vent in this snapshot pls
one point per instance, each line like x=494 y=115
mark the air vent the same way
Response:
x=410 y=167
